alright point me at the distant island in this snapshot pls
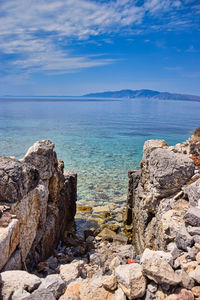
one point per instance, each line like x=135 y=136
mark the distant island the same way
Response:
x=131 y=94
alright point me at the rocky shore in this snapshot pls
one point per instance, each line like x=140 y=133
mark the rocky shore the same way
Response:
x=146 y=249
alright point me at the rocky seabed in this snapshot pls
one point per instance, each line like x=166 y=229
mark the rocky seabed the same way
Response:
x=146 y=249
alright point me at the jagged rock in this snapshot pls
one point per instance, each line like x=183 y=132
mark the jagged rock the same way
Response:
x=191 y=254
x=183 y=239
x=169 y=171
x=70 y=272
x=158 y=269
x=12 y=280
x=53 y=284
x=109 y=283
x=193 y=230
x=42 y=202
x=90 y=289
x=193 y=193
x=16 y=179
x=182 y=294
x=186 y=281
x=15 y=262
x=127 y=251
x=42 y=294
x=173 y=249
x=9 y=239
x=155 y=196
x=192 y=217
x=152 y=287
x=195 y=274
x=131 y=280
x=195 y=148
x=20 y=294
x=133 y=177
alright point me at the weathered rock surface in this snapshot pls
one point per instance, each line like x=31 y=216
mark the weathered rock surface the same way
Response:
x=155 y=197
x=156 y=267
x=40 y=201
x=13 y=280
x=131 y=280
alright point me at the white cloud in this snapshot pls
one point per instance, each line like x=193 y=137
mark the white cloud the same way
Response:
x=36 y=34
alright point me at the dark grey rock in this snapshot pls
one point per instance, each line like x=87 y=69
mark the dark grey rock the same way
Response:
x=173 y=249
x=169 y=171
x=183 y=239
x=16 y=179
x=53 y=284
x=193 y=193
x=192 y=216
x=42 y=294
x=133 y=177
x=193 y=230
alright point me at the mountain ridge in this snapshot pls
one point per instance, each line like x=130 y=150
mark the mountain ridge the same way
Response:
x=143 y=93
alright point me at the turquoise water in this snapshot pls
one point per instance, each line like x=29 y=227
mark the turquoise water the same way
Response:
x=99 y=139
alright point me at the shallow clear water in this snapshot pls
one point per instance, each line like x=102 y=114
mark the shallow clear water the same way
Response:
x=99 y=139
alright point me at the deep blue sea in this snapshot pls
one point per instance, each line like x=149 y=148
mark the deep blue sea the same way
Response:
x=99 y=139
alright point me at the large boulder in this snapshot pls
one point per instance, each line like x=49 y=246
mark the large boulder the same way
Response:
x=169 y=171
x=13 y=280
x=37 y=203
x=158 y=269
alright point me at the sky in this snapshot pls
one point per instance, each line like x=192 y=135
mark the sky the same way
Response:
x=74 y=47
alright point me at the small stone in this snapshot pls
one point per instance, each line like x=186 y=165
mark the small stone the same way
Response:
x=54 y=284
x=186 y=281
x=196 y=291
x=84 y=208
x=192 y=252
x=181 y=294
x=131 y=280
x=173 y=249
x=107 y=234
x=192 y=216
x=115 y=262
x=90 y=239
x=195 y=274
x=196 y=239
x=152 y=287
x=42 y=294
x=193 y=230
x=70 y=272
x=109 y=282
x=183 y=239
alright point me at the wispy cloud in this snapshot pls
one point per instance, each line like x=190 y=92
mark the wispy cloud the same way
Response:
x=35 y=34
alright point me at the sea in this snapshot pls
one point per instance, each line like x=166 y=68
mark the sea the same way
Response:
x=100 y=139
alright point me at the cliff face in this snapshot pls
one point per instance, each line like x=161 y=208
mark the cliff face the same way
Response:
x=164 y=196
x=37 y=203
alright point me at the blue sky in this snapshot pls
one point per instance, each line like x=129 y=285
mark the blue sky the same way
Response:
x=72 y=47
